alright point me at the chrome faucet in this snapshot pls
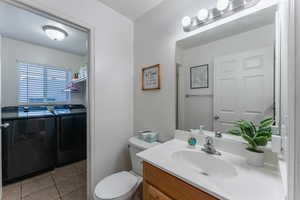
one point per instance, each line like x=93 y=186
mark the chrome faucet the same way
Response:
x=218 y=134
x=209 y=147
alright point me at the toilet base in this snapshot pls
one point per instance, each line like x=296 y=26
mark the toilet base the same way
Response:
x=138 y=193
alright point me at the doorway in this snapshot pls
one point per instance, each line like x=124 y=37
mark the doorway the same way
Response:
x=46 y=87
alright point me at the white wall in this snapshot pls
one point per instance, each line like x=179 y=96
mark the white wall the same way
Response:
x=199 y=110
x=14 y=51
x=289 y=119
x=113 y=75
x=155 y=36
x=297 y=119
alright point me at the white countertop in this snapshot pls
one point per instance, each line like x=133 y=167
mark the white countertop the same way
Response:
x=251 y=183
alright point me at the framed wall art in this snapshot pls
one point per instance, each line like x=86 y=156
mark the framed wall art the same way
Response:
x=199 y=77
x=151 y=78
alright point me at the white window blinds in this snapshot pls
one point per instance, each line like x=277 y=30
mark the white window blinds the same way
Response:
x=41 y=84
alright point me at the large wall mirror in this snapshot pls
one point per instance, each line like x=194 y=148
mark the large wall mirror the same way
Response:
x=229 y=73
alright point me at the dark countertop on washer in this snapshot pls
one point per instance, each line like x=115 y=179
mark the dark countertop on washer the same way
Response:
x=72 y=112
x=12 y=115
x=15 y=112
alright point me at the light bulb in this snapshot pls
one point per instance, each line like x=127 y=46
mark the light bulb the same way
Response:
x=55 y=33
x=203 y=14
x=222 y=5
x=186 y=21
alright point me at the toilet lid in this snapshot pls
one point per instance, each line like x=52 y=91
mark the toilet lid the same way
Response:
x=115 y=185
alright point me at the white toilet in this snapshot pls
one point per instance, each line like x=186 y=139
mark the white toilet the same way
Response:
x=123 y=185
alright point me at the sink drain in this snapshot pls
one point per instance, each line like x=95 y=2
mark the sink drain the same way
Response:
x=204 y=173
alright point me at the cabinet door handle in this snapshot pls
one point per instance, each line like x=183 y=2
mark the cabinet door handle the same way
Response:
x=5 y=125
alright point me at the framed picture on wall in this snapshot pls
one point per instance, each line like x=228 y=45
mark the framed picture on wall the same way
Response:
x=199 y=77
x=151 y=78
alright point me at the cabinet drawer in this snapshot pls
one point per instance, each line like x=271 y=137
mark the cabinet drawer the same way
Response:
x=151 y=193
x=172 y=186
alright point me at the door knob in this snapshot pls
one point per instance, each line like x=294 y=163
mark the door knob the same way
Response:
x=216 y=117
x=5 y=125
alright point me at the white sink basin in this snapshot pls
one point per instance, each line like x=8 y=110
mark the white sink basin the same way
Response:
x=204 y=164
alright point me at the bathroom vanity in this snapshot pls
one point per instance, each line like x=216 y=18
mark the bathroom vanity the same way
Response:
x=173 y=171
x=159 y=185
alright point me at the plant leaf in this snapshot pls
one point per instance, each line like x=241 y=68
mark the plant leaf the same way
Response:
x=253 y=128
x=267 y=123
x=250 y=141
x=264 y=133
x=266 y=120
x=247 y=128
x=235 y=132
x=261 y=141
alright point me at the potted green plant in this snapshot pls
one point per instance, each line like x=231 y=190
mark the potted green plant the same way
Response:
x=257 y=137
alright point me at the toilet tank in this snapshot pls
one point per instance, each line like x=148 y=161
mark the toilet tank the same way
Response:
x=137 y=145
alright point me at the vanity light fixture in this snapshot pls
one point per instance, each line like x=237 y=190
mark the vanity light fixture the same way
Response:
x=186 y=21
x=55 y=33
x=203 y=14
x=223 y=8
x=222 y=5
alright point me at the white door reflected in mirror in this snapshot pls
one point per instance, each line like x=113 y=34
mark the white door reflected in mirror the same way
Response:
x=243 y=87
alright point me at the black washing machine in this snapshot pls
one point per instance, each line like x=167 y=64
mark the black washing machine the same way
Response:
x=28 y=142
x=71 y=123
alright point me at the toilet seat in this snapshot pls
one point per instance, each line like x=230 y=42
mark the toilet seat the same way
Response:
x=116 y=186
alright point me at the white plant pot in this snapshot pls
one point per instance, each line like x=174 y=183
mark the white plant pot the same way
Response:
x=255 y=159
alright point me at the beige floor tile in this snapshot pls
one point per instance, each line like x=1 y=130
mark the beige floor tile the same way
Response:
x=81 y=166
x=12 y=192
x=36 y=184
x=49 y=193
x=69 y=185
x=83 y=178
x=64 y=173
x=33 y=179
x=79 y=194
x=68 y=181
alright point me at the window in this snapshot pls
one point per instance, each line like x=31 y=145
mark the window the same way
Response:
x=41 y=84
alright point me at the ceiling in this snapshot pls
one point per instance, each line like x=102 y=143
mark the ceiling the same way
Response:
x=250 y=22
x=132 y=9
x=26 y=26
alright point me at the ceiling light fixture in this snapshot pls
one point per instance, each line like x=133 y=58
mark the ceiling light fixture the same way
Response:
x=186 y=21
x=222 y=5
x=55 y=33
x=203 y=14
x=222 y=9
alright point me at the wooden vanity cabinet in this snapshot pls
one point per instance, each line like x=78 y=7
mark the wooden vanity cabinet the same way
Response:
x=160 y=185
x=151 y=193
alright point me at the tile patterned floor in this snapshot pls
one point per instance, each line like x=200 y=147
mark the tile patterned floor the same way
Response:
x=65 y=183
